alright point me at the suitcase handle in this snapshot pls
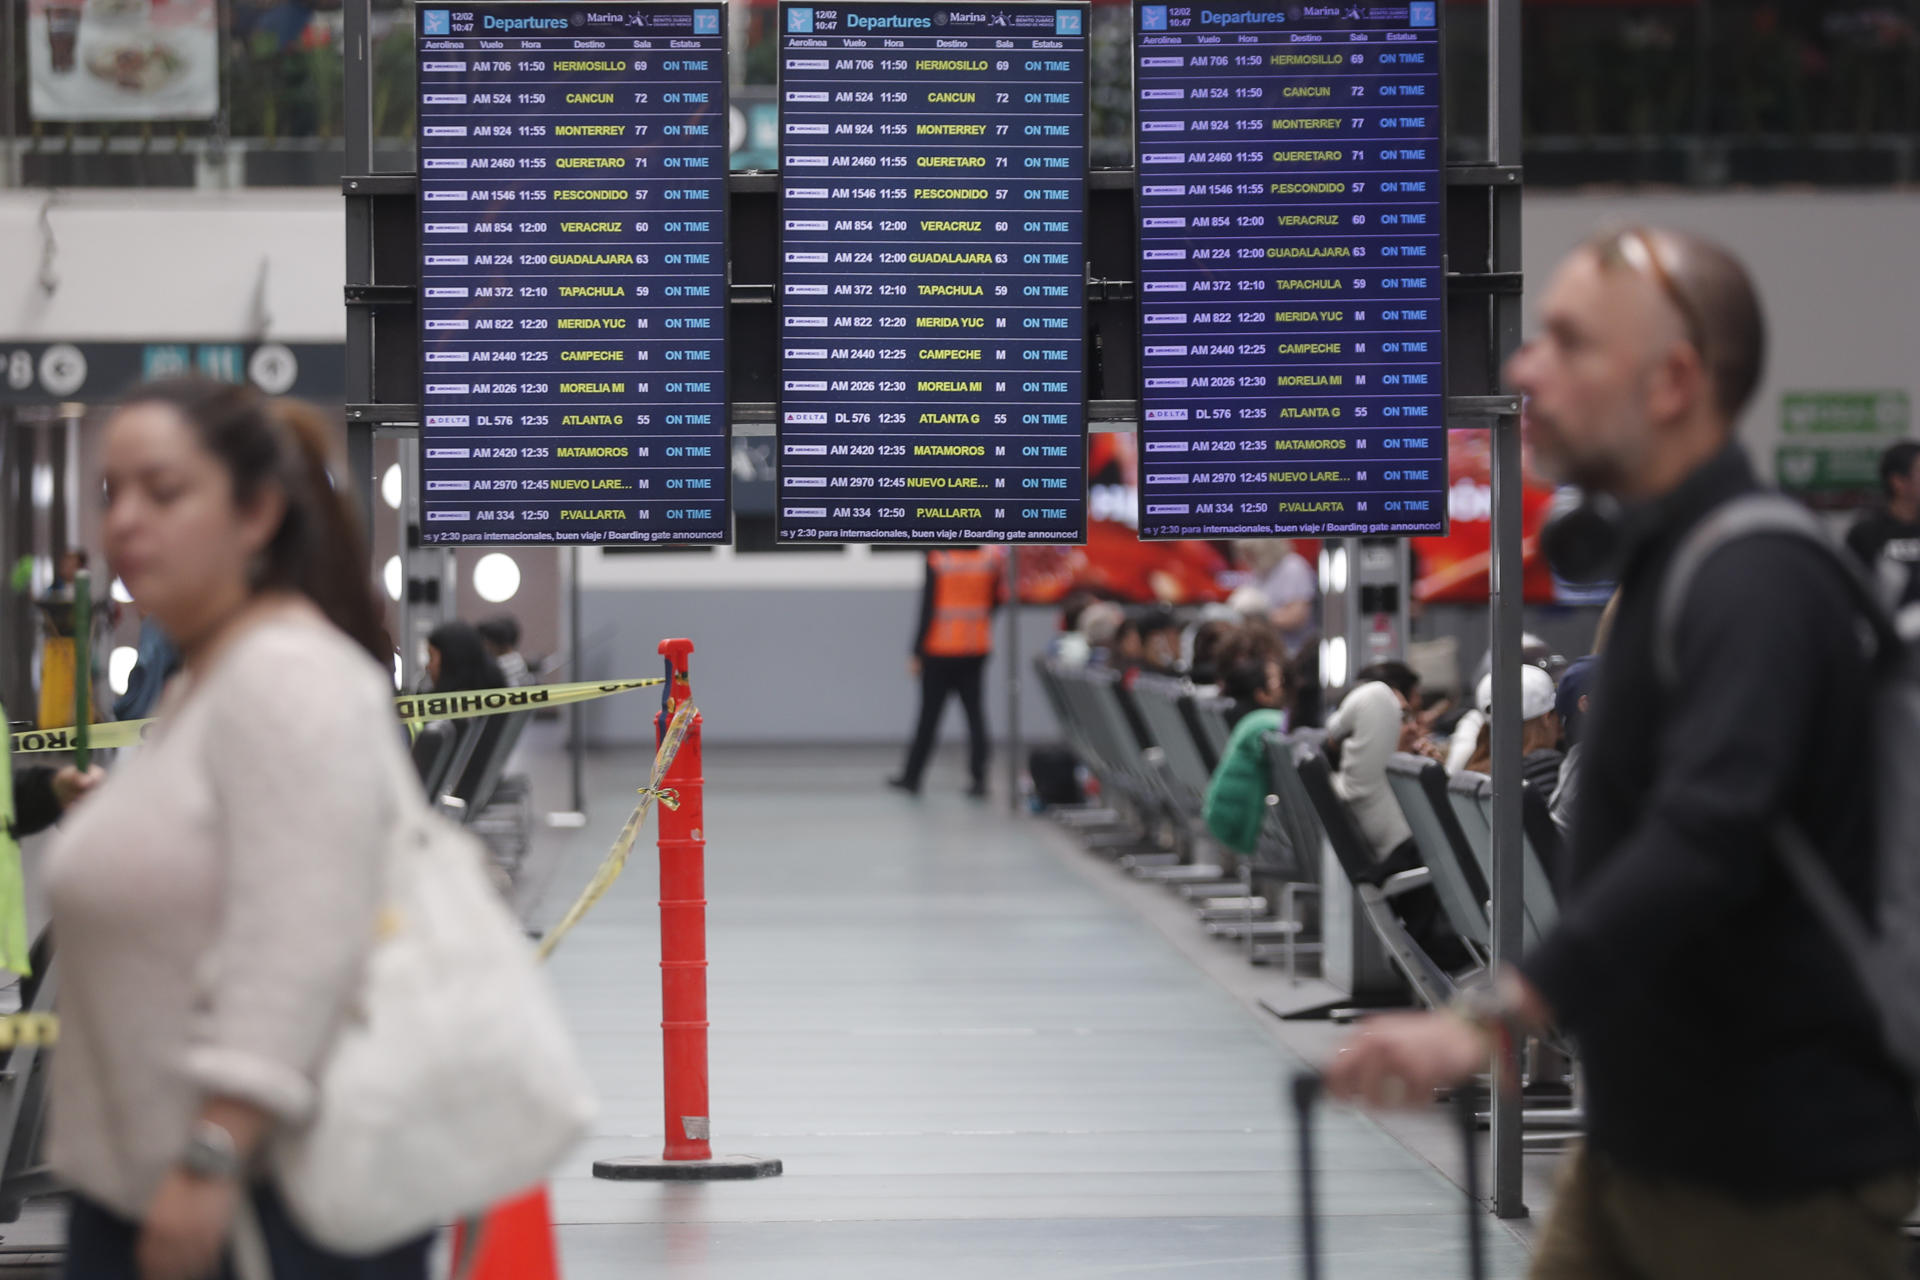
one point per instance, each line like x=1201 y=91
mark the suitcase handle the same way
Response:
x=1306 y=1091
x=1306 y=1094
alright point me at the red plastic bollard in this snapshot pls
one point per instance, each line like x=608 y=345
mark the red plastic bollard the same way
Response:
x=683 y=962
x=683 y=925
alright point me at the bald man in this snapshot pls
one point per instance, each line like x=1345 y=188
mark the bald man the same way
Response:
x=1744 y=1119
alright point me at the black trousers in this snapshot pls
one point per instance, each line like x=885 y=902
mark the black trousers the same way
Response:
x=940 y=677
x=101 y=1244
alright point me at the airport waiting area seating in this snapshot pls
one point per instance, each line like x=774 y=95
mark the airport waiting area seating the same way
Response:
x=1151 y=745
x=463 y=767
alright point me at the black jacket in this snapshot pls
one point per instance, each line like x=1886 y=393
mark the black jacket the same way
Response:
x=35 y=807
x=1890 y=550
x=1725 y=1039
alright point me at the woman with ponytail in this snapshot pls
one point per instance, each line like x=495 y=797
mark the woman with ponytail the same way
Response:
x=216 y=900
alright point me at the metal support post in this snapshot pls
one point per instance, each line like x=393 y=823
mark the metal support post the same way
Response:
x=577 y=719
x=1508 y=575
x=1013 y=679
x=10 y=175
x=357 y=22
x=408 y=520
x=576 y=815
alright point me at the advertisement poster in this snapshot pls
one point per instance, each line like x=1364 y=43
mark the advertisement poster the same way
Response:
x=1115 y=563
x=1455 y=569
x=123 y=60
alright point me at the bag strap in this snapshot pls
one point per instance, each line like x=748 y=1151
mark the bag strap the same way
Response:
x=1748 y=516
x=1774 y=513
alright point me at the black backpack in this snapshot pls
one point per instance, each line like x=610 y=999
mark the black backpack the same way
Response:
x=1884 y=953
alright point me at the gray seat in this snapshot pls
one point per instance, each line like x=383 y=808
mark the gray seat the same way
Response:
x=1185 y=769
x=434 y=751
x=1420 y=785
x=1471 y=795
x=1208 y=719
x=1117 y=747
x=1432 y=984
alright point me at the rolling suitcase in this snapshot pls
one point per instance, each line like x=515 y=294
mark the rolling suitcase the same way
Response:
x=1306 y=1097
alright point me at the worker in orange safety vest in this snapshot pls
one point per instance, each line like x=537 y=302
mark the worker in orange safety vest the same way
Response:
x=963 y=588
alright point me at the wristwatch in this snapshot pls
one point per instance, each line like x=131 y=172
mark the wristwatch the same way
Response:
x=211 y=1153
x=1491 y=1008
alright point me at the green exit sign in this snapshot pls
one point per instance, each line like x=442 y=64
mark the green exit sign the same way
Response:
x=1881 y=414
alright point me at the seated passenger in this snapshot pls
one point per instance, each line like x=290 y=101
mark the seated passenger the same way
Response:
x=501 y=634
x=1540 y=754
x=1253 y=674
x=1070 y=646
x=1572 y=702
x=1160 y=643
x=1371 y=723
x=457 y=662
x=1203 y=653
x=1100 y=623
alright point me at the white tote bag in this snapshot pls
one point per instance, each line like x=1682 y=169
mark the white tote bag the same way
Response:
x=454 y=1083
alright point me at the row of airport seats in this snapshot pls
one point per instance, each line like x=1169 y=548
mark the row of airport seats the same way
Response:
x=463 y=766
x=1153 y=743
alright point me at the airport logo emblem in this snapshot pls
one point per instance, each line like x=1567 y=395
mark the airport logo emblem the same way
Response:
x=800 y=22
x=436 y=22
x=706 y=22
x=1066 y=22
x=1421 y=15
x=1153 y=17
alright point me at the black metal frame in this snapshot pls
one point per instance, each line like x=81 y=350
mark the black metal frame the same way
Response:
x=1482 y=327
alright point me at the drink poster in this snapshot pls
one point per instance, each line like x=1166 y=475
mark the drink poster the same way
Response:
x=123 y=60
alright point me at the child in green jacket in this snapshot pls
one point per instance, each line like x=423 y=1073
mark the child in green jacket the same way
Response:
x=1253 y=673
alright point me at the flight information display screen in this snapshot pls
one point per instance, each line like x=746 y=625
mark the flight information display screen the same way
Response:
x=573 y=168
x=933 y=268
x=1292 y=281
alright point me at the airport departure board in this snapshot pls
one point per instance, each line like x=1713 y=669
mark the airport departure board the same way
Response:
x=932 y=272
x=1293 y=290
x=573 y=168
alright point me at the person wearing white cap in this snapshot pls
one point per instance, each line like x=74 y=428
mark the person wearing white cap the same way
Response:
x=1540 y=753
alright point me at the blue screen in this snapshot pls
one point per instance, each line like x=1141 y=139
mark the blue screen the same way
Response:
x=932 y=273
x=1292 y=281
x=573 y=169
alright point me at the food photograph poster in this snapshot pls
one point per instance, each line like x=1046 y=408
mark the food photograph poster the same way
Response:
x=123 y=60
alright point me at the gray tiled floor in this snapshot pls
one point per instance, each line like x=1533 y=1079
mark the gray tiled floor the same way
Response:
x=974 y=1063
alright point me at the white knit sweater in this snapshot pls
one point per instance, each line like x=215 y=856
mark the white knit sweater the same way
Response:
x=214 y=902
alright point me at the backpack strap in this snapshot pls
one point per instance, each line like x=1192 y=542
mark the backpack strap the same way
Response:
x=1750 y=515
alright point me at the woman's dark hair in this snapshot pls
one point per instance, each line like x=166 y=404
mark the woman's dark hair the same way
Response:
x=465 y=663
x=1244 y=660
x=1207 y=641
x=1396 y=675
x=502 y=631
x=318 y=549
x=1073 y=606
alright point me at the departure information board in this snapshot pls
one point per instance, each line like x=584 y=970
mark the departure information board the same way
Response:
x=573 y=168
x=1293 y=289
x=933 y=268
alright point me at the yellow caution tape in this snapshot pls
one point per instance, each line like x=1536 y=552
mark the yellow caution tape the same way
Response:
x=17 y=1029
x=414 y=709
x=43 y=1029
x=616 y=859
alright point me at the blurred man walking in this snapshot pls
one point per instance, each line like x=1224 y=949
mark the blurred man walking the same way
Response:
x=1745 y=1117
